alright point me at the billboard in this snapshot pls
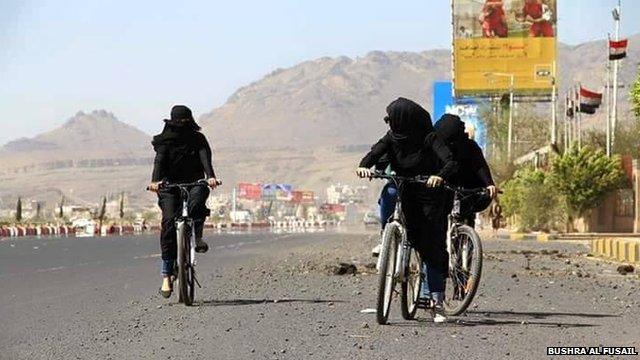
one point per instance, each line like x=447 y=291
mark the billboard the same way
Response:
x=495 y=40
x=469 y=112
x=249 y=191
x=277 y=192
x=442 y=97
x=467 y=109
x=302 y=197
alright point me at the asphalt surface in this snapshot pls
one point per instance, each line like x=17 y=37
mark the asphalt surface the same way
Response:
x=269 y=296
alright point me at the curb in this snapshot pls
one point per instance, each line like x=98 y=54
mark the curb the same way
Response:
x=618 y=249
x=526 y=237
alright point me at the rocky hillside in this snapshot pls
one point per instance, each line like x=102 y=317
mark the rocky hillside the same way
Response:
x=341 y=101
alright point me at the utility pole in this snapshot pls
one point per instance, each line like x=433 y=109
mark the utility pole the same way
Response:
x=614 y=111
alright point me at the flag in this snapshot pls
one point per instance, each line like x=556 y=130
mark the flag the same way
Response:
x=570 y=107
x=588 y=109
x=617 y=49
x=590 y=98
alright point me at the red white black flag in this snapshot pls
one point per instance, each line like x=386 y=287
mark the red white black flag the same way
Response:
x=589 y=101
x=618 y=49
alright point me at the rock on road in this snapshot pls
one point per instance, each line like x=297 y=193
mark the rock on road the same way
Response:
x=270 y=296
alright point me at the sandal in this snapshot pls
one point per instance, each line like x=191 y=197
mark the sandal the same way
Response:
x=167 y=293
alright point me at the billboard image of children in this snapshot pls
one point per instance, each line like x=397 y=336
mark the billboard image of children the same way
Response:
x=493 y=19
x=538 y=14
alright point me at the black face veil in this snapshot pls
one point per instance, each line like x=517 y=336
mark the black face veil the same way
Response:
x=409 y=122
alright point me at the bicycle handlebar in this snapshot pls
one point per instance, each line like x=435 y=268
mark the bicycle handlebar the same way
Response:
x=423 y=178
x=381 y=175
x=202 y=182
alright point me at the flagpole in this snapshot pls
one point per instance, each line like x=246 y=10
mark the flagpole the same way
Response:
x=566 y=127
x=579 y=117
x=572 y=119
x=614 y=110
x=608 y=99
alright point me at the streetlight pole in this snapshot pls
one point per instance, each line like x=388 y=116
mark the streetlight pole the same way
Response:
x=554 y=119
x=511 y=100
x=614 y=93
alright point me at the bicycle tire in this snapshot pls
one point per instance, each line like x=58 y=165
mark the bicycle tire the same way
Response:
x=411 y=283
x=190 y=271
x=183 y=292
x=475 y=272
x=386 y=275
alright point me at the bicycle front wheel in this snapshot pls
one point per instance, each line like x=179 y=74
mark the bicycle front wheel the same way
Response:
x=386 y=275
x=465 y=269
x=185 y=270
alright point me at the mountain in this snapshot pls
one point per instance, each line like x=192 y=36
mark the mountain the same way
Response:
x=97 y=131
x=90 y=155
x=341 y=101
x=325 y=102
x=308 y=125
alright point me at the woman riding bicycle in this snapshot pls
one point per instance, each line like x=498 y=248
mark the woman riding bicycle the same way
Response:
x=474 y=171
x=414 y=149
x=183 y=155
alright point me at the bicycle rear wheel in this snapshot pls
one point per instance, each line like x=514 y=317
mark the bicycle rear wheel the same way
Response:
x=411 y=283
x=465 y=269
x=386 y=275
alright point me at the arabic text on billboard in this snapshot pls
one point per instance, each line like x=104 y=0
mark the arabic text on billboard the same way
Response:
x=494 y=39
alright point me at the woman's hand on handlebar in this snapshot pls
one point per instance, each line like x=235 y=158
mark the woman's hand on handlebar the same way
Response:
x=434 y=181
x=363 y=172
x=213 y=182
x=493 y=191
x=154 y=186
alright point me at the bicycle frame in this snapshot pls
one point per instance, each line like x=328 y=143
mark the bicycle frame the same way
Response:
x=404 y=247
x=183 y=220
x=455 y=221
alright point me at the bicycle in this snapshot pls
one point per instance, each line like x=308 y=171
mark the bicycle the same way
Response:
x=397 y=250
x=464 y=247
x=186 y=244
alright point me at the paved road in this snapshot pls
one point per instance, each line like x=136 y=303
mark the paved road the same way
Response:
x=268 y=296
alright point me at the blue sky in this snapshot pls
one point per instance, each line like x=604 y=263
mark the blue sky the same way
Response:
x=137 y=58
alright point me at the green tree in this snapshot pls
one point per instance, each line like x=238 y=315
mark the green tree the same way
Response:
x=19 y=210
x=530 y=198
x=584 y=177
x=121 y=205
x=103 y=211
x=635 y=96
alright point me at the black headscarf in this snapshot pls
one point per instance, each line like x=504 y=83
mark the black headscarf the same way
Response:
x=450 y=129
x=409 y=122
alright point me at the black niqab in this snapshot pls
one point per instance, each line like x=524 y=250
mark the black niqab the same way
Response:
x=409 y=122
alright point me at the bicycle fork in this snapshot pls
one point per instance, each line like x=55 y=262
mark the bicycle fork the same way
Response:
x=454 y=256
